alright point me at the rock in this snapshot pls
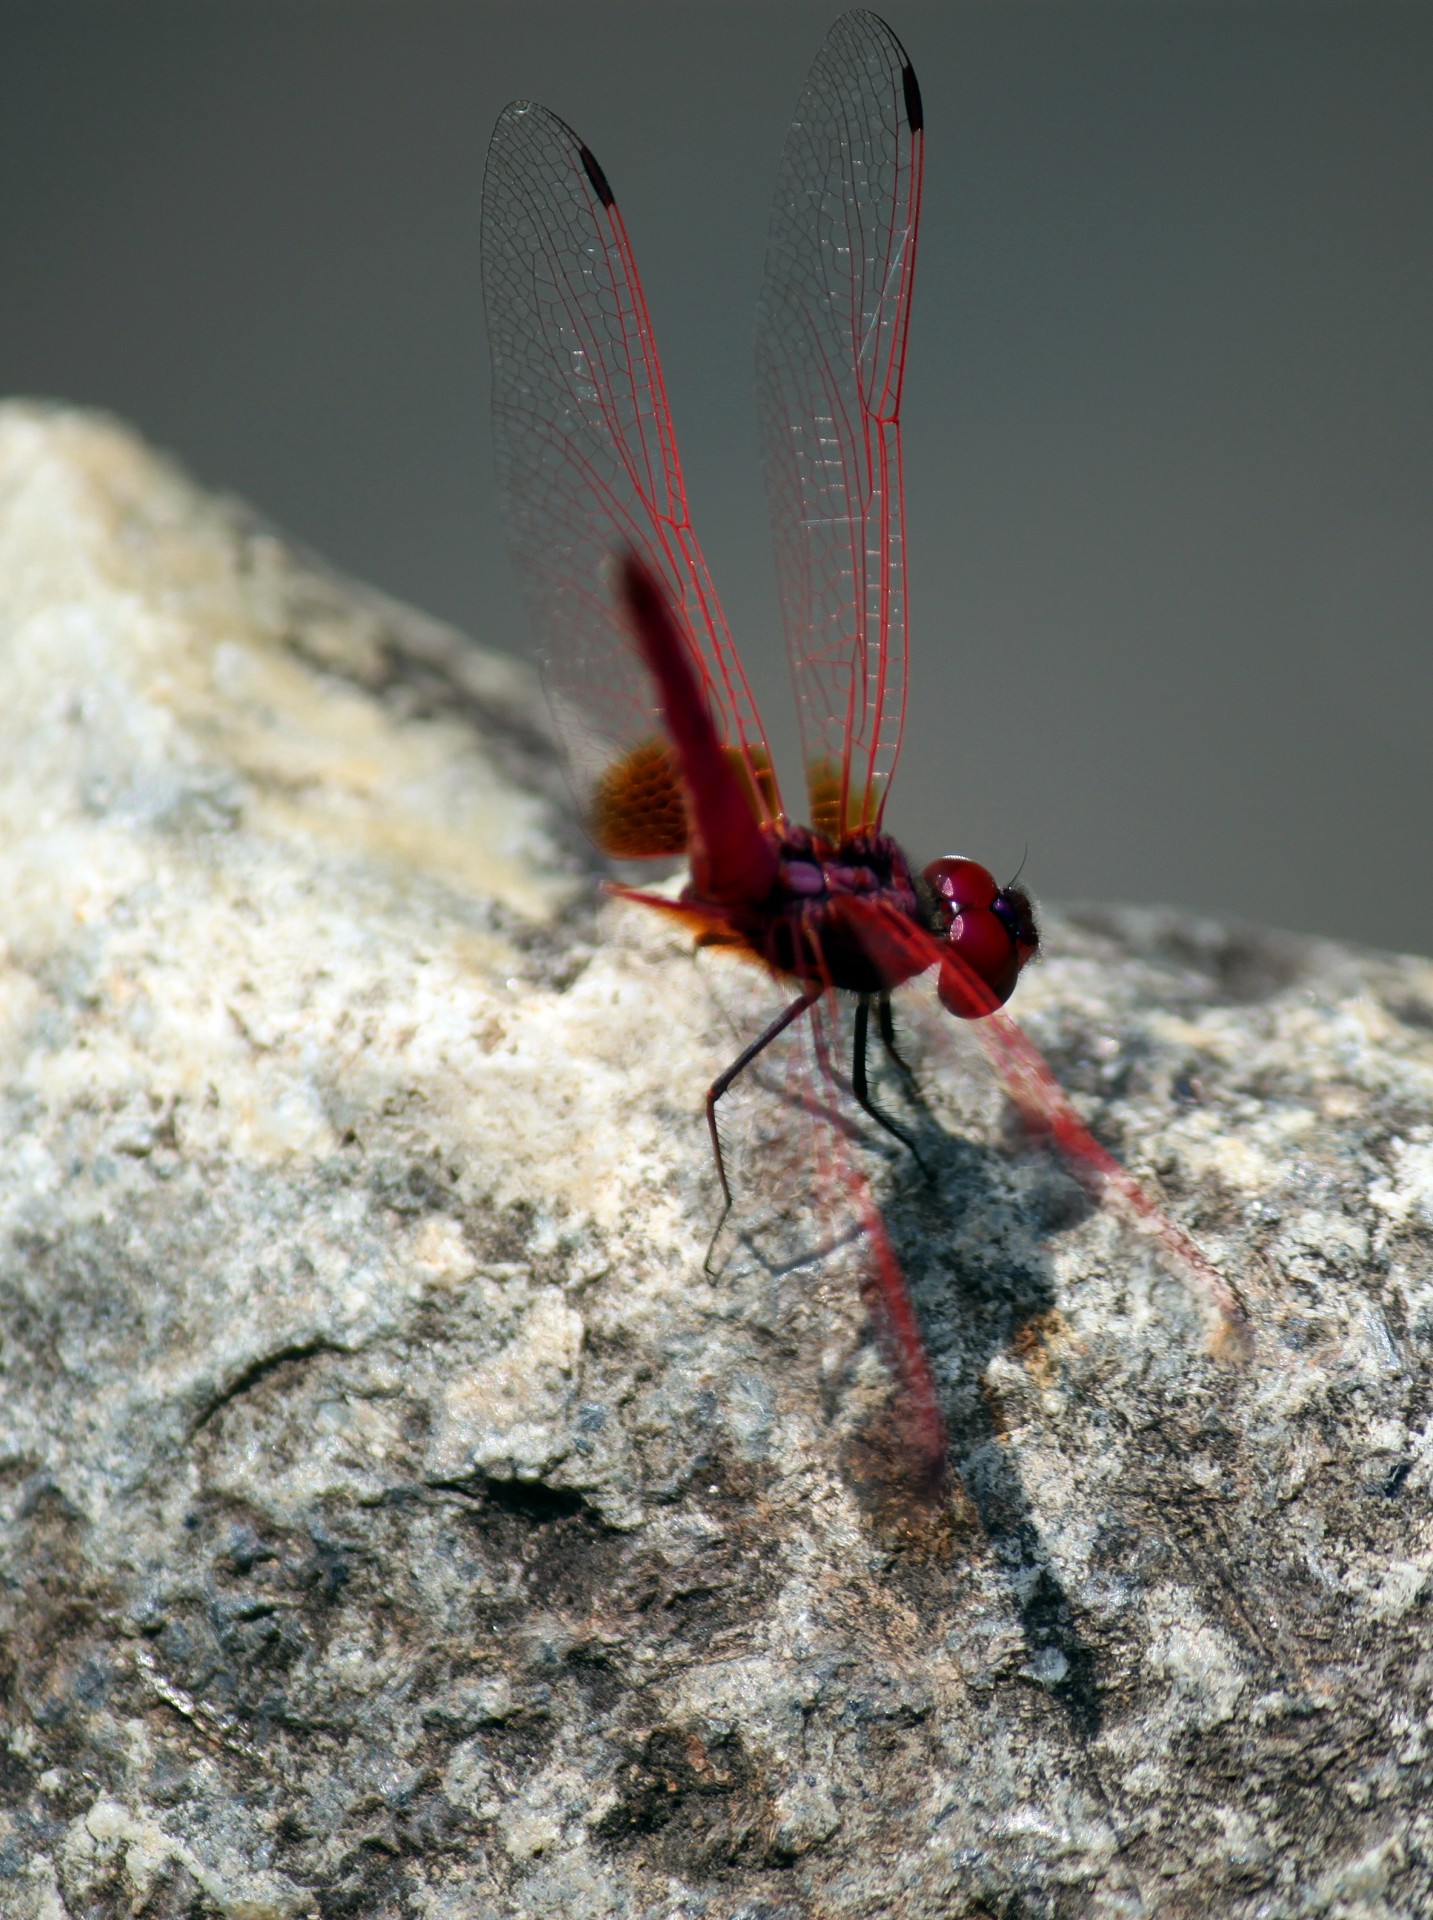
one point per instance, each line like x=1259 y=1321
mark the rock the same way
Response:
x=398 y=1520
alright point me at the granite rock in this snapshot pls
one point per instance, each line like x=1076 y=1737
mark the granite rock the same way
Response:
x=397 y=1518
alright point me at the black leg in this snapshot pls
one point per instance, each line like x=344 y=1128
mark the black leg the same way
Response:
x=858 y=1074
x=888 y=1041
x=806 y=999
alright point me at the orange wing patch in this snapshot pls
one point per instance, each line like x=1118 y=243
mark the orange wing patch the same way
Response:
x=824 y=779
x=638 y=811
x=637 y=808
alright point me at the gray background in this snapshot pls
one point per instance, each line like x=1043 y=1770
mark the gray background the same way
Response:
x=1169 y=402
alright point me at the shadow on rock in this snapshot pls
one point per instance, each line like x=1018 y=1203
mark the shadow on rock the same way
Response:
x=983 y=1286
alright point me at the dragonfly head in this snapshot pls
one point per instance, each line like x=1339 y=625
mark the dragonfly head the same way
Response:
x=991 y=927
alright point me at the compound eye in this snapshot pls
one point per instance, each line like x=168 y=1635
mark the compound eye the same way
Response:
x=983 y=941
x=992 y=928
x=961 y=883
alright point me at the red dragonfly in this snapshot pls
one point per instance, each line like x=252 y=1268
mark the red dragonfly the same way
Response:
x=662 y=737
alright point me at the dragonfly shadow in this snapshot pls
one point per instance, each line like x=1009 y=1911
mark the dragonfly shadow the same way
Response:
x=972 y=1244
x=984 y=1287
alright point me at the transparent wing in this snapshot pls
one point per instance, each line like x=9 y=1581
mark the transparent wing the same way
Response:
x=587 y=464
x=899 y=948
x=831 y=347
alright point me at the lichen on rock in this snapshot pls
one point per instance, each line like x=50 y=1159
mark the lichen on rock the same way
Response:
x=396 y=1516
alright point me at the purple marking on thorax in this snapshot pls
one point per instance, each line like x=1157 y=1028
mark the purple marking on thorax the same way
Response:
x=841 y=879
x=803 y=877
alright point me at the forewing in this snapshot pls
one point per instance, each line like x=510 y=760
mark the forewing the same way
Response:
x=588 y=469
x=831 y=347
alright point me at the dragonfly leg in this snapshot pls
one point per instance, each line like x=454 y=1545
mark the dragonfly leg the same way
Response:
x=806 y=999
x=887 y=1028
x=858 y=1072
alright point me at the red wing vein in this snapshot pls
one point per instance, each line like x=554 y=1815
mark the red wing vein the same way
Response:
x=831 y=346
x=586 y=457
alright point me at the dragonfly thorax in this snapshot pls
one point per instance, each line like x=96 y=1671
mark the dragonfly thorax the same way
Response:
x=820 y=921
x=864 y=864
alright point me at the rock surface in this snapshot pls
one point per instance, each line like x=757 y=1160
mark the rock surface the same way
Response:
x=396 y=1519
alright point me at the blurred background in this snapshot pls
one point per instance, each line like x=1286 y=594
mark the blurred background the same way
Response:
x=1169 y=400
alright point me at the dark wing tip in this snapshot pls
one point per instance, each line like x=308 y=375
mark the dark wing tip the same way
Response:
x=596 y=175
x=910 y=86
x=861 y=20
x=523 y=123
